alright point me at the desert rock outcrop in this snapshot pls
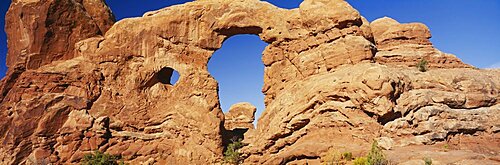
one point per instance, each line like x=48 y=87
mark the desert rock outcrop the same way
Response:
x=359 y=103
x=240 y=116
x=407 y=44
x=42 y=31
x=80 y=83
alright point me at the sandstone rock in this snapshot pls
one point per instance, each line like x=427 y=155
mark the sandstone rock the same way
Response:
x=439 y=122
x=43 y=31
x=352 y=103
x=413 y=162
x=36 y=108
x=238 y=121
x=417 y=154
x=408 y=44
x=240 y=116
x=385 y=143
x=322 y=87
x=163 y=47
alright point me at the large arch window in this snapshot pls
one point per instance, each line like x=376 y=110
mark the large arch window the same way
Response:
x=239 y=69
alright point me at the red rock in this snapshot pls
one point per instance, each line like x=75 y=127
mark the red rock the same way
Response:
x=408 y=44
x=85 y=146
x=240 y=116
x=325 y=84
x=43 y=31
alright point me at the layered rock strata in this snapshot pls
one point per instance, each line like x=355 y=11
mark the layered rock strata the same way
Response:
x=240 y=116
x=349 y=108
x=407 y=44
x=76 y=84
x=42 y=31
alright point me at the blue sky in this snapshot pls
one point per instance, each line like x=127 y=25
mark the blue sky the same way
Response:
x=469 y=29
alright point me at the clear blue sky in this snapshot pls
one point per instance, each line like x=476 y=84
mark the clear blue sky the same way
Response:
x=469 y=29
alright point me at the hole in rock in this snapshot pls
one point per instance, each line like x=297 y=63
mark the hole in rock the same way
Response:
x=175 y=77
x=165 y=75
x=168 y=76
x=238 y=68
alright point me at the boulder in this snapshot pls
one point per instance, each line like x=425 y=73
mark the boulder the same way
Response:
x=408 y=44
x=240 y=116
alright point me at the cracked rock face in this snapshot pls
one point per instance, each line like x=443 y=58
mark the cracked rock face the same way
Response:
x=43 y=31
x=332 y=80
x=407 y=44
x=240 y=116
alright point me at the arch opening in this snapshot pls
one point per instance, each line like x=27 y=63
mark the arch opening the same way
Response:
x=165 y=76
x=238 y=68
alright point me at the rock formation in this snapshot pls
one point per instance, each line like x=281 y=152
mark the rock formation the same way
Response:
x=238 y=121
x=240 y=116
x=42 y=31
x=407 y=44
x=78 y=83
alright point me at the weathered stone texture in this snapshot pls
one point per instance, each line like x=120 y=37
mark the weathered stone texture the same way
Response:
x=407 y=44
x=365 y=101
x=42 y=31
x=77 y=84
x=240 y=116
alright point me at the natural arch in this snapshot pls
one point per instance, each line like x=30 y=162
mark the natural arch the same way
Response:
x=238 y=68
x=321 y=85
x=239 y=71
x=184 y=38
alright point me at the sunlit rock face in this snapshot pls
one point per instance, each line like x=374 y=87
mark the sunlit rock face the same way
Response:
x=42 y=31
x=240 y=116
x=331 y=80
x=407 y=44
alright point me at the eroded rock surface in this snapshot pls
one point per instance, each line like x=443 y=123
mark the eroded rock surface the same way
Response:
x=240 y=116
x=407 y=44
x=362 y=102
x=43 y=31
x=332 y=80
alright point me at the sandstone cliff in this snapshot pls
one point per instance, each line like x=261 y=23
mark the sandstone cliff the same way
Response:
x=78 y=82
